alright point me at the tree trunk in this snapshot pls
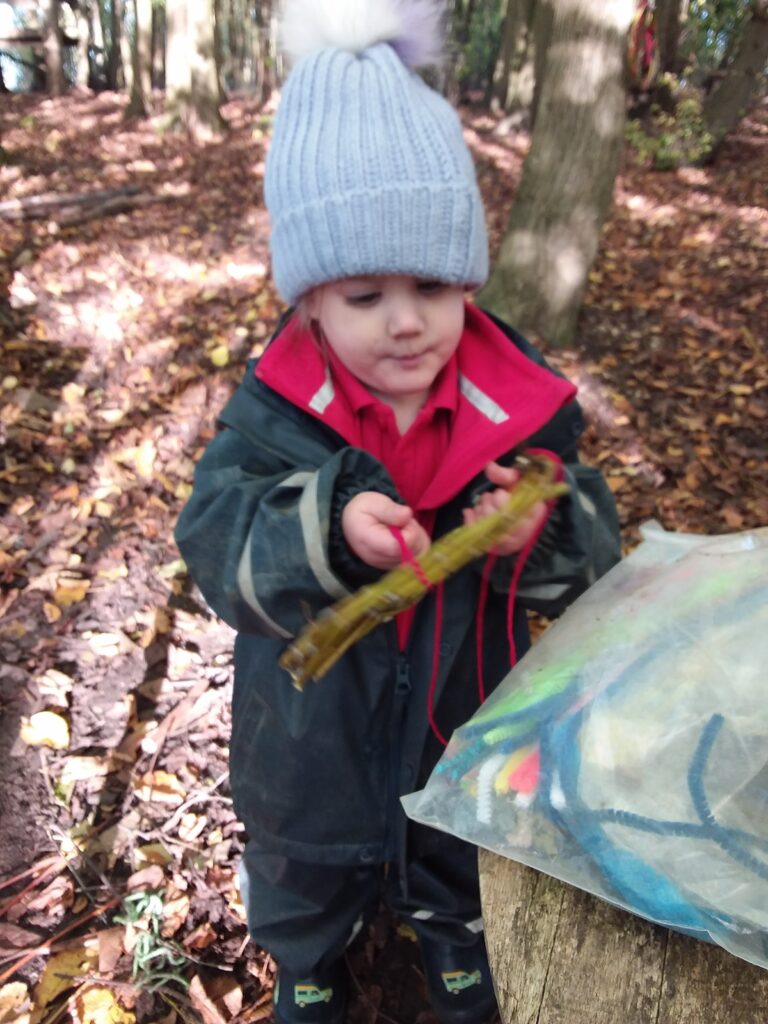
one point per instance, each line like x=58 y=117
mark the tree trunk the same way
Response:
x=726 y=104
x=543 y=21
x=115 y=58
x=141 y=59
x=82 y=65
x=513 y=77
x=158 y=46
x=192 y=88
x=54 y=67
x=219 y=49
x=668 y=24
x=97 y=57
x=126 y=42
x=567 y=183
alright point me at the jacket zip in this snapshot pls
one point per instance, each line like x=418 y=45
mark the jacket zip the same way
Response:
x=402 y=694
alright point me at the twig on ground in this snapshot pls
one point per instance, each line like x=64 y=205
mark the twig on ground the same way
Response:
x=196 y=798
x=45 y=948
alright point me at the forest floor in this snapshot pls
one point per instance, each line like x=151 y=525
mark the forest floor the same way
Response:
x=126 y=333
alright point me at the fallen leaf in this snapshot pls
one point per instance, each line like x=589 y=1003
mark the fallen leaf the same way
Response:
x=59 y=971
x=111 y=948
x=70 y=593
x=45 y=729
x=14 y=1000
x=13 y=937
x=174 y=915
x=151 y=877
x=151 y=854
x=51 y=611
x=219 y=356
x=160 y=787
x=201 y=937
x=55 y=687
x=95 y=1004
x=204 y=1005
x=80 y=768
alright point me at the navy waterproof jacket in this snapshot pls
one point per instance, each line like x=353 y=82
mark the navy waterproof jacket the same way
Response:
x=317 y=775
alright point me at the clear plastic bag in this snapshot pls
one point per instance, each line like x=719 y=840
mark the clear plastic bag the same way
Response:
x=627 y=753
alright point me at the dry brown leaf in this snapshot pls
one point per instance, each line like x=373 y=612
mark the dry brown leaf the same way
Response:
x=175 y=913
x=71 y=592
x=13 y=937
x=152 y=877
x=151 y=853
x=201 y=937
x=160 y=787
x=82 y=768
x=111 y=947
x=204 y=1005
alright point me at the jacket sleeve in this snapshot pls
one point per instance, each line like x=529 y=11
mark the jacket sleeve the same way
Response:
x=581 y=540
x=579 y=543
x=255 y=532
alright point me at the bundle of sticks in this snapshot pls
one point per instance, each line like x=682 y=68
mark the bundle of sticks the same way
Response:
x=341 y=625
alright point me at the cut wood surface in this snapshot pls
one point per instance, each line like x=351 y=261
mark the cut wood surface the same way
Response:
x=562 y=956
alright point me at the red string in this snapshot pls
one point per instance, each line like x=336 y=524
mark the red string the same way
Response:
x=436 y=665
x=410 y=559
x=485 y=582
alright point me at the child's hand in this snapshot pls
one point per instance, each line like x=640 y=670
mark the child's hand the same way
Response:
x=491 y=501
x=366 y=521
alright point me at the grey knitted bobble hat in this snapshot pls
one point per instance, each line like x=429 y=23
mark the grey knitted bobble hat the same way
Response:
x=368 y=171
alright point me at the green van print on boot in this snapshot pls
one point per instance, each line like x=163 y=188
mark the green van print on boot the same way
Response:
x=305 y=994
x=457 y=981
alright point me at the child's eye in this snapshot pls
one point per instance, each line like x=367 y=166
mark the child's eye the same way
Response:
x=363 y=299
x=431 y=287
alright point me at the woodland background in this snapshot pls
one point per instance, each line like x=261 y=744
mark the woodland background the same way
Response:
x=621 y=150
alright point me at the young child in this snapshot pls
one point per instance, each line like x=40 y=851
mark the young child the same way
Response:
x=385 y=411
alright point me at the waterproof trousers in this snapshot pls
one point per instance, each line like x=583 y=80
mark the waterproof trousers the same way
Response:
x=305 y=915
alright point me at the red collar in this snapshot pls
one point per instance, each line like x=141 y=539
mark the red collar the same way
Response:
x=500 y=396
x=444 y=394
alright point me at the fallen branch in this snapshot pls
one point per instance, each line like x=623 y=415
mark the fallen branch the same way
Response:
x=110 y=209
x=41 y=206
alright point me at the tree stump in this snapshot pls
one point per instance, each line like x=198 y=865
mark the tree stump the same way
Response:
x=561 y=956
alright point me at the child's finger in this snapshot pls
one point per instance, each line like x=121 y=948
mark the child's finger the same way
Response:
x=502 y=476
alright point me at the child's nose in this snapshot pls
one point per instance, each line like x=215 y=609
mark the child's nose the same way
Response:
x=405 y=320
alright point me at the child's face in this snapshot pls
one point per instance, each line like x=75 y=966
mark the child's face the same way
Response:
x=394 y=333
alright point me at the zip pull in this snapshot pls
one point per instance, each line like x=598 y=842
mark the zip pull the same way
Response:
x=403 y=677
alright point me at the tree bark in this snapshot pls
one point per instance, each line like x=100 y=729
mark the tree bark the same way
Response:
x=567 y=183
x=192 y=88
x=543 y=21
x=141 y=59
x=82 y=66
x=726 y=104
x=158 y=47
x=115 y=59
x=514 y=73
x=96 y=66
x=54 y=67
x=668 y=24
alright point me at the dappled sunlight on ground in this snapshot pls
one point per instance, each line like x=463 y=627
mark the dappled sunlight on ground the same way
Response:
x=129 y=334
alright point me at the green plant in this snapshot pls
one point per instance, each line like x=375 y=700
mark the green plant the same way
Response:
x=666 y=140
x=156 y=961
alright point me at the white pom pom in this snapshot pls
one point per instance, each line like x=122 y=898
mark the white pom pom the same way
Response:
x=413 y=27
